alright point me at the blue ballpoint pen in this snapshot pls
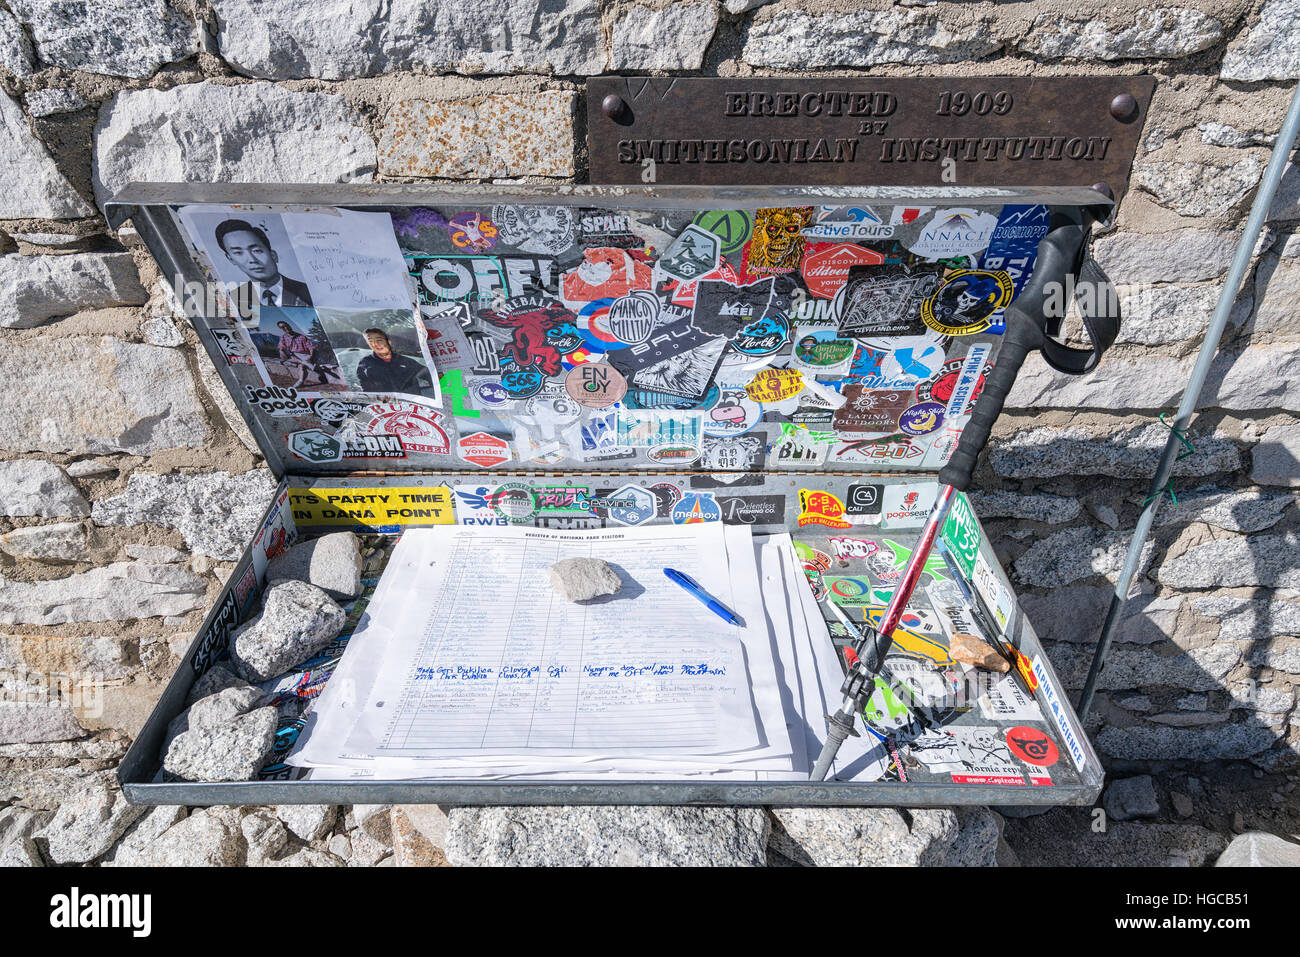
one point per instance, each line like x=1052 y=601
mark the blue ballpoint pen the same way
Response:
x=692 y=586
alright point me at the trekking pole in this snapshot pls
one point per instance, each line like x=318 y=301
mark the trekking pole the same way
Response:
x=1192 y=393
x=1060 y=254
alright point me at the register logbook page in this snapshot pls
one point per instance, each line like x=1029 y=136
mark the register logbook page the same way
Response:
x=482 y=655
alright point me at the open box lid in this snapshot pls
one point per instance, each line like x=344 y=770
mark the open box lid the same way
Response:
x=580 y=328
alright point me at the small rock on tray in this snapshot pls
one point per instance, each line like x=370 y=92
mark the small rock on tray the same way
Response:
x=297 y=620
x=581 y=579
x=972 y=651
x=331 y=563
x=225 y=738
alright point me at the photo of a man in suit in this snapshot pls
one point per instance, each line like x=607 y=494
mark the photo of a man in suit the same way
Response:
x=247 y=247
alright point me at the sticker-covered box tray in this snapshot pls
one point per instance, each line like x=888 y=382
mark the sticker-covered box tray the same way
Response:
x=794 y=360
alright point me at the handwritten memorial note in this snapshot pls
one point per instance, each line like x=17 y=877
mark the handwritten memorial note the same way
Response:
x=351 y=259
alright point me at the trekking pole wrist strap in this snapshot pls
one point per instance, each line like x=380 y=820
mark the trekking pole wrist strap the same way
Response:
x=1063 y=267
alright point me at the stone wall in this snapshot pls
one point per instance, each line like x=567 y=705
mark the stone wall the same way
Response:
x=127 y=483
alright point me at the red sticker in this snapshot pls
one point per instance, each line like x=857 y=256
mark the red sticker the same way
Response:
x=826 y=265
x=1033 y=746
x=483 y=450
x=417 y=426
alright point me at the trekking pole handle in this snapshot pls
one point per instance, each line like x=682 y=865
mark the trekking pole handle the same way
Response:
x=1058 y=257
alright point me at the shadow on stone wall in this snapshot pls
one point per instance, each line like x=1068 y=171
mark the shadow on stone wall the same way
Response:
x=1222 y=689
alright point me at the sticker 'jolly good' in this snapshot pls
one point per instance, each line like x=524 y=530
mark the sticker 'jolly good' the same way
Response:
x=775 y=385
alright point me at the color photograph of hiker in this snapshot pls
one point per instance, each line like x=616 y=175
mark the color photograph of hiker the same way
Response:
x=378 y=351
x=295 y=351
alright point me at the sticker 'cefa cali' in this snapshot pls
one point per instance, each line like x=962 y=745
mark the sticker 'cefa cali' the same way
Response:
x=823 y=508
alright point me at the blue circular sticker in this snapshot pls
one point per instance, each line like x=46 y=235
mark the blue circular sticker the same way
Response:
x=695 y=508
x=491 y=393
x=521 y=382
x=763 y=336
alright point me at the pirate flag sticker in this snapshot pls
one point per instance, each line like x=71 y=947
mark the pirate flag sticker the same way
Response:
x=966 y=302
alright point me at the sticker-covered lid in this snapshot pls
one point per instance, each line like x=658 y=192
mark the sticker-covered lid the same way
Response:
x=380 y=328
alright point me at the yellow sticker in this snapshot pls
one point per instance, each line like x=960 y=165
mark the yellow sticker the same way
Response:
x=822 y=508
x=911 y=642
x=377 y=508
x=774 y=385
x=967 y=301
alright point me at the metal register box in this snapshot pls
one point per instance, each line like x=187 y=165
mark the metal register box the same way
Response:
x=795 y=359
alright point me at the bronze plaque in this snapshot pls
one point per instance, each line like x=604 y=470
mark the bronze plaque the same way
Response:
x=866 y=131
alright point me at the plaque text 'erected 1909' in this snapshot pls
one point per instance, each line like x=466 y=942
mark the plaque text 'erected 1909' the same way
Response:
x=866 y=131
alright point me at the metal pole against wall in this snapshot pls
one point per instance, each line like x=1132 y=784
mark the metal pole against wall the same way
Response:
x=1192 y=392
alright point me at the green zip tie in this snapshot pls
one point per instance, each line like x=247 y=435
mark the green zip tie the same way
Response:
x=1188 y=449
x=1182 y=437
x=1169 y=488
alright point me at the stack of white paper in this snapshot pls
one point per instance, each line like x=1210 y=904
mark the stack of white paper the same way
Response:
x=468 y=665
